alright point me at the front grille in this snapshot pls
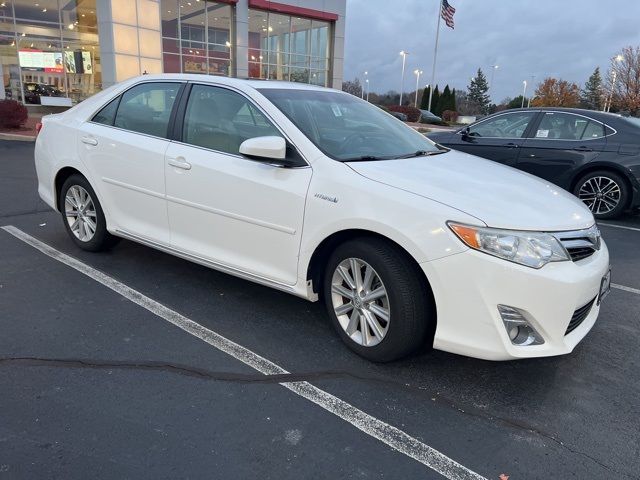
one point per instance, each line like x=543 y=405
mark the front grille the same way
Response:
x=578 y=253
x=580 y=244
x=578 y=316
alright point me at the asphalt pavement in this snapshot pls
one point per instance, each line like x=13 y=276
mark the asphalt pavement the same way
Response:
x=95 y=385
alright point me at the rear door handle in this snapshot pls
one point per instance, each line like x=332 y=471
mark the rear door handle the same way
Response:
x=179 y=163
x=89 y=141
x=583 y=149
x=511 y=145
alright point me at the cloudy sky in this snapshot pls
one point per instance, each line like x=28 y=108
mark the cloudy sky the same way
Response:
x=566 y=39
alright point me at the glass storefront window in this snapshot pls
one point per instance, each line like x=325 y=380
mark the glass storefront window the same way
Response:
x=56 y=48
x=285 y=47
x=197 y=37
x=258 y=34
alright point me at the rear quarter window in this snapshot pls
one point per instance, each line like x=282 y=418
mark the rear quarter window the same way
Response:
x=107 y=115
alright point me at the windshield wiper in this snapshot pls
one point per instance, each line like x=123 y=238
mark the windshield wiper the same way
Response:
x=365 y=158
x=421 y=153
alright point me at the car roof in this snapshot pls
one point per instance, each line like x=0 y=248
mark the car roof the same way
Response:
x=597 y=114
x=234 y=82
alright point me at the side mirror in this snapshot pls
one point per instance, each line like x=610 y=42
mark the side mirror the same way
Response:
x=466 y=134
x=265 y=148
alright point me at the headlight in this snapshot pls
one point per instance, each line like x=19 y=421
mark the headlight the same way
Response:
x=533 y=249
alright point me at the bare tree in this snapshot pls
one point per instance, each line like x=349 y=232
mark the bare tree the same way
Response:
x=624 y=77
x=464 y=105
x=353 y=87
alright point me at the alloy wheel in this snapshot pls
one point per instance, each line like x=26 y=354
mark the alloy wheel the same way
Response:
x=600 y=194
x=360 y=302
x=80 y=212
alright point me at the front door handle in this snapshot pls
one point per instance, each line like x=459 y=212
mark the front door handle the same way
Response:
x=583 y=149
x=179 y=163
x=511 y=145
x=89 y=141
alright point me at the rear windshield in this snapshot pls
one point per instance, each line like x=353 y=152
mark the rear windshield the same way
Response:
x=633 y=121
x=347 y=128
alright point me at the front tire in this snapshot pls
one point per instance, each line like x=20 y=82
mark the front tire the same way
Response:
x=605 y=193
x=82 y=215
x=378 y=299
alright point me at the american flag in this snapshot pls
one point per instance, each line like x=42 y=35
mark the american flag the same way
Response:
x=447 y=13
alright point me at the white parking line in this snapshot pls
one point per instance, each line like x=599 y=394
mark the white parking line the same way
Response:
x=626 y=289
x=619 y=226
x=387 y=434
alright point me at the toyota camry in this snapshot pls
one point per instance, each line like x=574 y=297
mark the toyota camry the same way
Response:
x=318 y=193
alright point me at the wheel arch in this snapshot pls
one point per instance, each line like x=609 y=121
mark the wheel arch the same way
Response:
x=59 y=180
x=321 y=254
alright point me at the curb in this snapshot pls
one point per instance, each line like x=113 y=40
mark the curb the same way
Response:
x=17 y=137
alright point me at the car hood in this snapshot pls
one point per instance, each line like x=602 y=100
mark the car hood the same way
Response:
x=500 y=196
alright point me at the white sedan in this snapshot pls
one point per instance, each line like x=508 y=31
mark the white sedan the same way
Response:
x=317 y=193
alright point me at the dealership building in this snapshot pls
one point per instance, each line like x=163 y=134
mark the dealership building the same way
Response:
x=74 y=48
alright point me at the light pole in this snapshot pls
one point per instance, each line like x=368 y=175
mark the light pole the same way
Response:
x=366 y=80
x=524 y=92
x=529 y=101
x=614 y=76
x=417 y=72
x=367 y=83
x=493 y=71
x=403 y=54
x=613 y=85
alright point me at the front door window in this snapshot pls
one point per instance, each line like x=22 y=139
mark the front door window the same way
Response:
x=509 y=125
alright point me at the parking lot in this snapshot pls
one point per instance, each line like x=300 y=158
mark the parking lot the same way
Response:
x=137 y=364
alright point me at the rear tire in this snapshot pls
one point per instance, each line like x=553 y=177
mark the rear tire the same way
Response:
x=82 y=215
x=604 y=192
x=395 y=324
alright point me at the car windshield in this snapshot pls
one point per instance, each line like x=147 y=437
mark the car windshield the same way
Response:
x=347 y=128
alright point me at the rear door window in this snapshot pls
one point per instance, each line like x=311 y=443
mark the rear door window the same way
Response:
x=146 y=108
x=220 y=119
x=567 y=126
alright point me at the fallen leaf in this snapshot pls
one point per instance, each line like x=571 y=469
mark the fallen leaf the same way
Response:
x=503 y=476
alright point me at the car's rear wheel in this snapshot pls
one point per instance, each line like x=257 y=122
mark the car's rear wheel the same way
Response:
x=606 y=193
x=377 y=299
x=83 y=216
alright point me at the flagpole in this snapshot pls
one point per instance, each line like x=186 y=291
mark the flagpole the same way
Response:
x=435 y=55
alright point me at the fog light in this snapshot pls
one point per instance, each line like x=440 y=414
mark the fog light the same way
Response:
x=513 y=333
x=519 y=330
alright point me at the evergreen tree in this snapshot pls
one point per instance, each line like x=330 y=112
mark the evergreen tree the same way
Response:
x=435 y=99
x=478 y=89
x=443 y=101
x=424 y=103
x=447 y=101
x=516 y=102
x=591 y=95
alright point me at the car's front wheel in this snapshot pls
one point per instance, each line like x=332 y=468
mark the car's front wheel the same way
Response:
x=605 y=193
x=378 y=299
x=83 y=216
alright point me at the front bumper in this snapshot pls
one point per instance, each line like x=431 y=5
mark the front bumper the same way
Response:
x=469 y=286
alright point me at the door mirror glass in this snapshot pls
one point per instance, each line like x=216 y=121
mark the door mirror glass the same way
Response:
x=270 y=148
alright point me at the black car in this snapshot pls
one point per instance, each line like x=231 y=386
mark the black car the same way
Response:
x=594 y=155
x=33 y=92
